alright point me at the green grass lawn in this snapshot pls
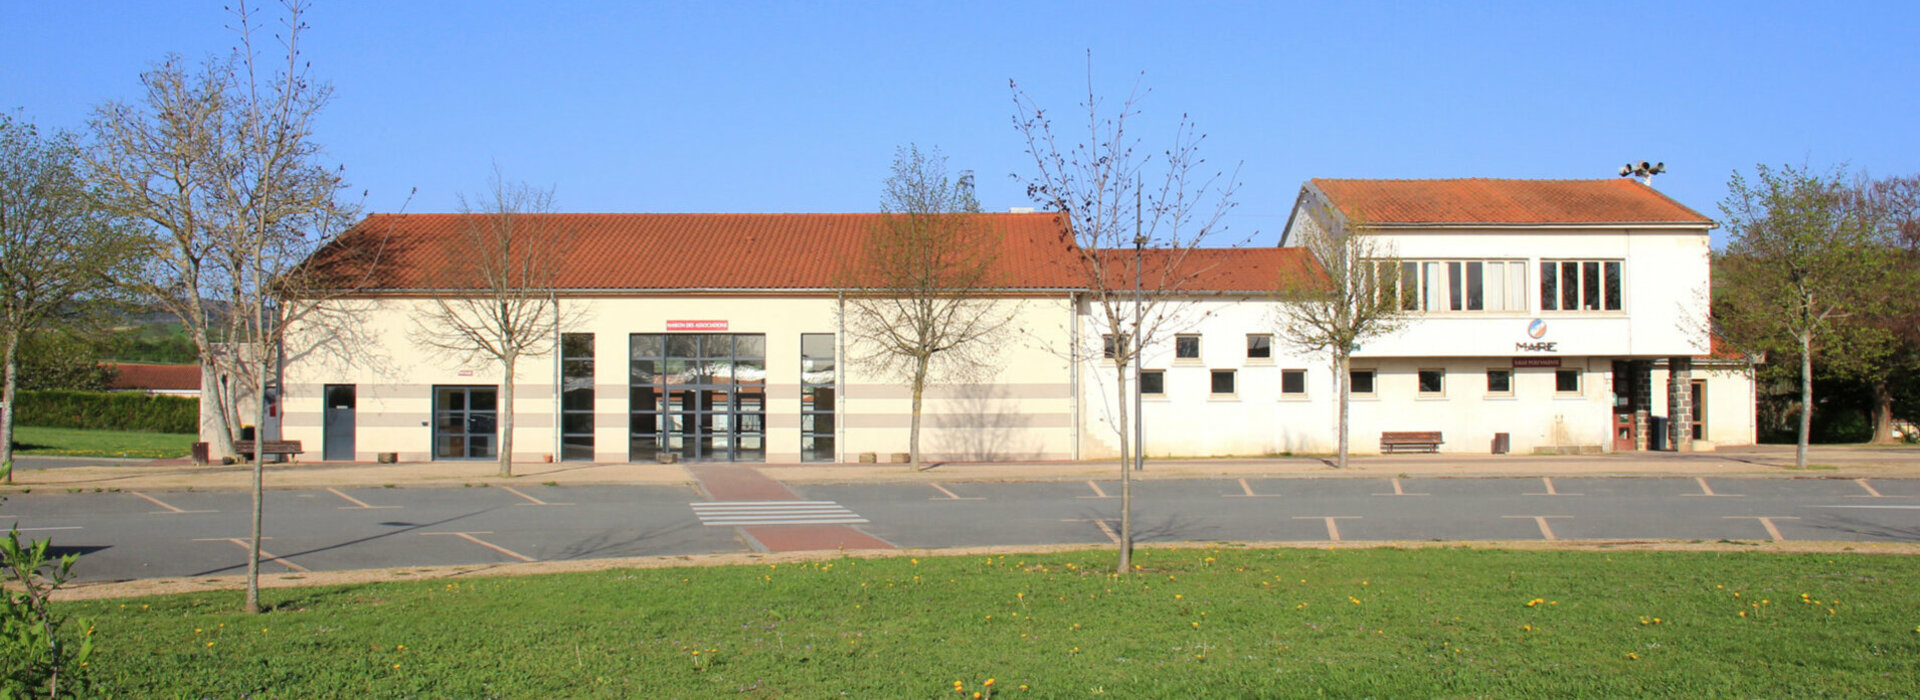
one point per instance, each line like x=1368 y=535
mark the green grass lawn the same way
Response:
x=33 y=440
x=1191 y=623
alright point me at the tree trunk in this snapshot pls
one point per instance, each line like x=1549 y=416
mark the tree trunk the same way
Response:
x=7 y=403
x=919 y=389
x=259 y=480
x=1340 y=373
x=1806 y=398
x=504 y=421
x=1883 y=412
x=1126 y=471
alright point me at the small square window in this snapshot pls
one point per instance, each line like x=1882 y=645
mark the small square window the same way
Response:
x=1260 y=347
x=1293 y=381
x=1186 y=347
x=1223 y=381
x=1106 y=346
x=1153 y=382
x=1433 y=381
x=1361 y=381
x=1567 y=381
x=1499 y=381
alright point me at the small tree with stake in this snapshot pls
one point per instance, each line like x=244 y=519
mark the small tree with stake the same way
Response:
x=497 y=300
x=1114 y=206
x=1353 y=297
x=917 y=304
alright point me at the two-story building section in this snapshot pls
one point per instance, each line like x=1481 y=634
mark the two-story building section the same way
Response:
x=1545 y=311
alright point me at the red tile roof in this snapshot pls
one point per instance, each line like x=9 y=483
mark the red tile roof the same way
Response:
x=1504 y=202
x=687 y=251
x=1257 y=270
x=156 y=377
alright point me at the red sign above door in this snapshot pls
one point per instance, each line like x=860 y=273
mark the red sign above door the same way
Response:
x=696 y=325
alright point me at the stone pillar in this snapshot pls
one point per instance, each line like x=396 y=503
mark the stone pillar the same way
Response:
x=1680 y=403
x=1640 y=378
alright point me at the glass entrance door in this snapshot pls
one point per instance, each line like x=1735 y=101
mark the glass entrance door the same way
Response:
x=464 y=419
x=698 y=396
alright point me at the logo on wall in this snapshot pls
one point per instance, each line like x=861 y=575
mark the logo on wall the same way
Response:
x=1536 y=331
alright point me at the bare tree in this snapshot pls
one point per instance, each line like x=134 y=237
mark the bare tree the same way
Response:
x=1118 y=202
x=1353 y=297
x=59 y=254
x=223 y=165
x=919 y=301
x=1799 y=255
x=495 y=294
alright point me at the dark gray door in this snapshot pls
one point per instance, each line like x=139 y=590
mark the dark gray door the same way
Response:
x=339 y=423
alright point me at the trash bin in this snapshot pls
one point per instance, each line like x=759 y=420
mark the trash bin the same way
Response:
x=201 y=453
x=1502 y=442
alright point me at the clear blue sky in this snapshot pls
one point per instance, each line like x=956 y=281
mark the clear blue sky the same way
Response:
x=798 y=107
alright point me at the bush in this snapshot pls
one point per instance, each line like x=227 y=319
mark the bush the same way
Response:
x=92 y=410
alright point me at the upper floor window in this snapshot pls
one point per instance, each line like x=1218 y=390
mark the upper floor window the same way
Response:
x=1580 y=285
x=1458 y=285
x=1186 y=347
x=1259 y=346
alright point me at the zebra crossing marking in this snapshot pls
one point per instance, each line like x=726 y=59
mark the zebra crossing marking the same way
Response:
x=733 y=513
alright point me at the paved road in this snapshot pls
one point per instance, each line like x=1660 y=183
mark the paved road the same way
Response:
x=128 y=535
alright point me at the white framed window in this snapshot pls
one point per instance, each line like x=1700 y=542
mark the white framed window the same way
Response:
x=1433 y=382
x=1360 y=382
x=1293 y=382
x=1259 y=346
x=1106 y=345
x=1153 y=382
x=1500 y=382
x=1222 y=382
x=1566 y=381
x=1186 y=347
x=1582 y=285
x=1466 y=286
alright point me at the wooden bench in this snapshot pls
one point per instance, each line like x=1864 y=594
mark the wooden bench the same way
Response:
x=1391 y=442
x=272 y=447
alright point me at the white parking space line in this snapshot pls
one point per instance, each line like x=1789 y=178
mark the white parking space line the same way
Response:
x=951 y=496
x=1550 y=490
x=1097 y=491
x=1871 y=507
x=264 y=554
x=469 y=536
x=1247 y=492
x=737 y=513
x=1706 y=490
x=1333 y=526
x=43 y=529
x=1767 y=522
x=1398 y=490
x=357 y=503
x=1871 y=491
x=531 y=501
x=1105 y=529
x=1541 y=520
x=169 y=508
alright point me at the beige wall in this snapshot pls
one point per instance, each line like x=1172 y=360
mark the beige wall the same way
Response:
x=1021 y=411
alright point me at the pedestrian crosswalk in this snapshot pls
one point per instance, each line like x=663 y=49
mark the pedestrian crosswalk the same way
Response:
x=733 y=513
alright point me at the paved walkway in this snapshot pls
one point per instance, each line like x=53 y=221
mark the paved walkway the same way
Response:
x=1847 y=461
x=750 y=495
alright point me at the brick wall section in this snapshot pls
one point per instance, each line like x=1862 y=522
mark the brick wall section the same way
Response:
x=1680 y=404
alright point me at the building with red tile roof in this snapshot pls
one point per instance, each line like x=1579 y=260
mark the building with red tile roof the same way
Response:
x=1552 y=313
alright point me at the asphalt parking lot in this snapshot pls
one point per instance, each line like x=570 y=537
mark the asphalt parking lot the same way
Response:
x=140 y=535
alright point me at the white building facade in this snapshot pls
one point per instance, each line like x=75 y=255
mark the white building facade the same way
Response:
x=719 y=337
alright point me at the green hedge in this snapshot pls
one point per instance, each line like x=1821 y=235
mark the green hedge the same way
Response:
x=94 y=410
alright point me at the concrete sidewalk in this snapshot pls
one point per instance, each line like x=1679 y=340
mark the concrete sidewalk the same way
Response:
x=1840 y=461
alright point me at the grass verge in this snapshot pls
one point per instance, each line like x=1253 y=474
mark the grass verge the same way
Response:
x=36 y=440
x=1192 y=622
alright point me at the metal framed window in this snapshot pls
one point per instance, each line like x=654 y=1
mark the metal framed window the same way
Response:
x=576 y=396
x=818 y=373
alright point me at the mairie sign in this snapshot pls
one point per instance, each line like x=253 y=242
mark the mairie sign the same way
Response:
x=696 y=325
